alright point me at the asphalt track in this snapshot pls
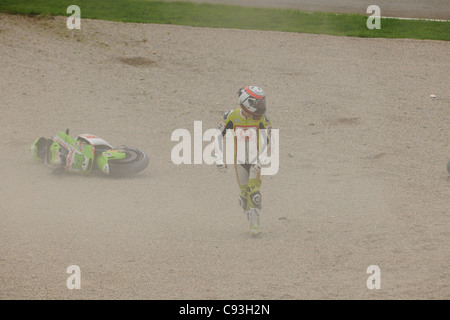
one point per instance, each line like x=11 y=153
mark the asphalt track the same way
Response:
x=428 y=9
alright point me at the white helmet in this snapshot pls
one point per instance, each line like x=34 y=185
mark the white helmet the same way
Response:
x=253 y=100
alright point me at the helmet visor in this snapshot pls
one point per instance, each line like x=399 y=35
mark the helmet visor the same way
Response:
x=255 y=106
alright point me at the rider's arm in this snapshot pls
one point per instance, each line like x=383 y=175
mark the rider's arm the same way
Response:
x=265 y=153
x=222 y=128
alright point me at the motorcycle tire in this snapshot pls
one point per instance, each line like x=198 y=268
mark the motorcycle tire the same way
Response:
x=134 y=162
x=448 y=166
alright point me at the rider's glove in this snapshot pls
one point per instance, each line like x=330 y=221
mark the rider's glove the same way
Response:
x=222 y=168
x=220 y=164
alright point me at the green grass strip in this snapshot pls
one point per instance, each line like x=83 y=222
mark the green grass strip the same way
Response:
x=236 y=17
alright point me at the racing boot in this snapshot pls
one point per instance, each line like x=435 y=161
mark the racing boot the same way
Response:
x=254 y=217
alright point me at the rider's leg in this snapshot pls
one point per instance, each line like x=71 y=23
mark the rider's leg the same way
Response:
x=254 y=195
x=249 y=180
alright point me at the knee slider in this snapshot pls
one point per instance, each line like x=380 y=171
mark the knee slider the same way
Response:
x=243 y=202
x=256 y=199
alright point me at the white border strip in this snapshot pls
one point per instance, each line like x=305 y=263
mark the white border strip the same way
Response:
x=400 y=18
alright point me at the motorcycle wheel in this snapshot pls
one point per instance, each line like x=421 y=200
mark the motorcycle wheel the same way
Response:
x=134 y=162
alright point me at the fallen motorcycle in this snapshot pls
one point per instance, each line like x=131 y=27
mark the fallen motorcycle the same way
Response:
x=86 y=153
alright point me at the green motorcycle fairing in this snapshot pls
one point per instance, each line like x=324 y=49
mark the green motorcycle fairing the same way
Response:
x=80 y=155
x=103 y=159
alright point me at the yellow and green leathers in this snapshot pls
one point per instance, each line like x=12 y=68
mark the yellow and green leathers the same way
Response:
x=251 y=138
